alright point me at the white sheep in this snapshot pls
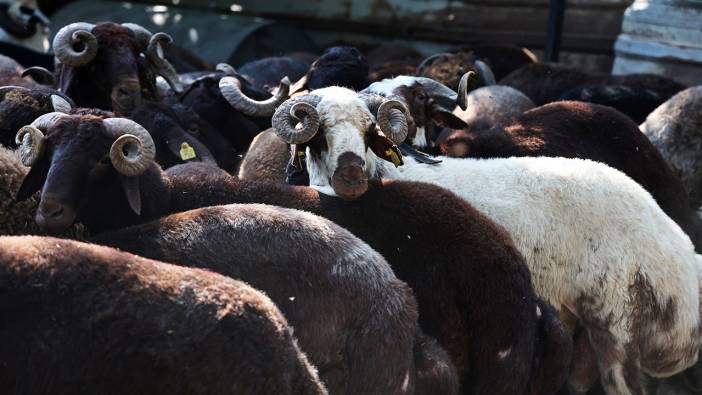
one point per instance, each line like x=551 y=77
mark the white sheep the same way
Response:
x=597 y=244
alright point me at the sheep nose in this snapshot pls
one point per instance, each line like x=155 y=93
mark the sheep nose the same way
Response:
x=54 y=217
x=50 y=209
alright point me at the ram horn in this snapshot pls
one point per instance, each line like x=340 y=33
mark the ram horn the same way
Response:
x=152 y=45
x=463 y=86
x=142 y=35
x=293 y=111
x=30 y=138
x=40 y=75
x=231 y=91
x=71 y=35
x=485 y=72
x=390 y=114
x=442 y=94
x=133 y=151
x=154 y=53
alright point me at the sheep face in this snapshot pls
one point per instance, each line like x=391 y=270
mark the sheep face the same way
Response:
x=75 y=157
x=338 y=128
x=337 y=154
x=115 y=77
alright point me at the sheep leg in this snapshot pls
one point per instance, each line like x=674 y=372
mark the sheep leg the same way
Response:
x=619 y=364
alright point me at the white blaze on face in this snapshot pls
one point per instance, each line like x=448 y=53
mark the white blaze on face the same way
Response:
x=344 y=122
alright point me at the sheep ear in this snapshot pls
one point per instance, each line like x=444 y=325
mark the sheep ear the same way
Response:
x=446 y=118
x=383 y=147
x=132 y=192
x=65 y=78
x=299 y=86
x=34 y=180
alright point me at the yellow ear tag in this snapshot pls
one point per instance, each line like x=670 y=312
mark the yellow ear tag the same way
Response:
x=187 y=152
x=394 y=157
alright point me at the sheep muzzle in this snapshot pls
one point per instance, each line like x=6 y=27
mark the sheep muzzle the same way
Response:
x=349 y=180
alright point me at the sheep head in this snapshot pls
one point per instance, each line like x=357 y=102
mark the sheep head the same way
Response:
x=342 y=131
x=70 y=155
x=111 y=66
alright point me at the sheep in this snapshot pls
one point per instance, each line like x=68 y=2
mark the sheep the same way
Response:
x=443 y=245
x=337 y=66
x=356 y=321
x=595 y=241
x=493 y=105
x=448 y=69
x=19 y=106
x=81 y=318
x=109 y=71
x=212 y=98
x=674 y=128
x=544 y=83
x=265 y=73
x=430 y=103
x=583 y=130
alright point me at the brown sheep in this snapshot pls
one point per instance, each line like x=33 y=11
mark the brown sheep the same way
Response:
x=352 y=316
x=265 y=159
x=80 y=318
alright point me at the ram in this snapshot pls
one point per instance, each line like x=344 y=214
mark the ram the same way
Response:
x=457 y=262
x=597 y=244
x=109 y=71
x=430 y=104
x=81 y=318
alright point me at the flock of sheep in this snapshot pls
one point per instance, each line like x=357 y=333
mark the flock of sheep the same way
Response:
x=347 y=223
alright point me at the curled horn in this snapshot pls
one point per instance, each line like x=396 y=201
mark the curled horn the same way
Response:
x=68 y=37
x=133 y=151
x=154 y=52
x=152 y=45
x=485 y=72
x=290 y=113
x=39 y=74
x=426 y=62
x=390 y=114
x=231 y=91
x=30 y=138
